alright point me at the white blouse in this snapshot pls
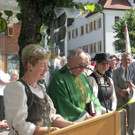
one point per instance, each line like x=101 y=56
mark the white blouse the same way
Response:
x=94 y=85
x=16 y=109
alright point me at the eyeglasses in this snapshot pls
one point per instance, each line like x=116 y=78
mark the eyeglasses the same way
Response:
x=113 y=59
x=83 y=65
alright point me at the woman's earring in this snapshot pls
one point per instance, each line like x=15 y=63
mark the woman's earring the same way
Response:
x=30 y=70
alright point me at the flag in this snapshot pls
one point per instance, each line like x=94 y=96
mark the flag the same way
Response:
x=127 y=46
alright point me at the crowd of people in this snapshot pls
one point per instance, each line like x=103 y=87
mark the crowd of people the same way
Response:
x=31 y=108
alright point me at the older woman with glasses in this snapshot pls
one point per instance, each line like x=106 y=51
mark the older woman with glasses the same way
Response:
x=102 y=85
x=28 y=109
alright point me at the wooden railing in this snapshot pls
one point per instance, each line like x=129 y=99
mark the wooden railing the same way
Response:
x=113 y=123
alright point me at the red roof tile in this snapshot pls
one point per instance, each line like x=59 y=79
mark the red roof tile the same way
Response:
x=115 y=4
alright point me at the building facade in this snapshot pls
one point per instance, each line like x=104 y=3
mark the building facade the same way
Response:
x=9 y=38
x=94 y=34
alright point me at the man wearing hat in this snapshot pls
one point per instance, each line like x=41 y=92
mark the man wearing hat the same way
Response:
x=102 y=85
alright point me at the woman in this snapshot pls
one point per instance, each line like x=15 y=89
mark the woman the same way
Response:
x=28 y=109
x=102 y=85
x=113 y=64
x=14 y=75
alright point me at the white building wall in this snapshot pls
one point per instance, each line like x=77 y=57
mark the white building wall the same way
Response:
x=88 y=38
x=109 y=32
x=96 y=35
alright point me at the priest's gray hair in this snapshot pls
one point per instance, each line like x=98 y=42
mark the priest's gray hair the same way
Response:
x=73 y=53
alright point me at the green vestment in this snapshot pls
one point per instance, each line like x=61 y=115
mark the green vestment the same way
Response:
x=70 y=94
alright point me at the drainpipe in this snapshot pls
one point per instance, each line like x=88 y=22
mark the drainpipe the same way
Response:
x=104 y=31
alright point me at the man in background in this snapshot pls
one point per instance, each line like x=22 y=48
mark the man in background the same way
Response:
x=119 y=79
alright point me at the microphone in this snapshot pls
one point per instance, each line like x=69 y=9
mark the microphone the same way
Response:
x=67 y=70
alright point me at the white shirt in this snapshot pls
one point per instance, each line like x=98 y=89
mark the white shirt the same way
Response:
x=94 y=85
x=5 y=77
x=16 y=109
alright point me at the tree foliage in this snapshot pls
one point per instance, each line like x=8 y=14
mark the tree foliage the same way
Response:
x=47 y=12
x=129 y=19
x=35 y=13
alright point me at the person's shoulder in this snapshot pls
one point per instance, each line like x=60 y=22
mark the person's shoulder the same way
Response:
x=83 y=75
x=132 y=66
x=107 y=71
x=61 y=72
x=14 y=84
x=133 y=63
x=117 y=69
x=92 y=78
x=111 y=80
x=14 y=87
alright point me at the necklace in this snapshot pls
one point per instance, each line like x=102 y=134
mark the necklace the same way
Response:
x=100 y=73
x=33 y=86
x=36 y=86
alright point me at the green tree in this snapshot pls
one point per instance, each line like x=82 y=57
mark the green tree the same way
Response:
x=35 y=13
x=129 y=19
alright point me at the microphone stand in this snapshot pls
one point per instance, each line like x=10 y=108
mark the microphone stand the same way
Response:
x=67 y=70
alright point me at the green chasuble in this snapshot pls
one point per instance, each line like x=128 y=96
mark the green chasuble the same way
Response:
x=70 y=94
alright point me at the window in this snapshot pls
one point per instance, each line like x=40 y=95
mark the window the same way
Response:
x=83 y=48
x=73 y=34
x=99 y=22
x=87 y=28
x=76 y=32
x=90 y=26
x=91 y=48
x=94 y=47
x=82 y=30
x=134 y=1
x=10 y=31
x=100 y=46
x=69 y=35
x=94 y=25
x=86 y=48
x=97 y=26
x=117 y=18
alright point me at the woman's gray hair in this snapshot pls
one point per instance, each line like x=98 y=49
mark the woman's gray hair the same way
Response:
x=32 y=53
x=73 y=53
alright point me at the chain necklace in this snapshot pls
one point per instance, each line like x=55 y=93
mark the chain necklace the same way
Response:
x=26 y=80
